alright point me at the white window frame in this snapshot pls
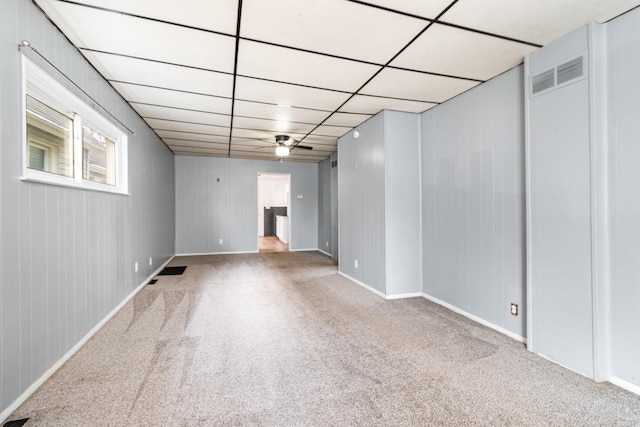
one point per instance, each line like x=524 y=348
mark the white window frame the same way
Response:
x=58 y=97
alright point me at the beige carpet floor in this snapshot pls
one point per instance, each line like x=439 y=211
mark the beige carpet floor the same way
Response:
x=280 y=339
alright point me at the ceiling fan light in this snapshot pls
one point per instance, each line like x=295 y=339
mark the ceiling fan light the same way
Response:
x=282 y=151
x=288 y=142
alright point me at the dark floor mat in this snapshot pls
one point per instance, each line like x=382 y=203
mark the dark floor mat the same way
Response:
x=152 y=282
x=172 y=271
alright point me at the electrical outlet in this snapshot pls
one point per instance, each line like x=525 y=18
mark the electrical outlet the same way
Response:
x=326 y=244
x=135 y=266
x=355 y=263
x=514 y=309
x=150 y=261
x=220 y=241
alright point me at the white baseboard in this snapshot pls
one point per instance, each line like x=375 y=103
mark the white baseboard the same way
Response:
x=217 y=253
x=407 y=295
x=633 y=388
x=36 y=384
x=326 y=253
x=476 y=319
x=364 y=285
x=303 y=250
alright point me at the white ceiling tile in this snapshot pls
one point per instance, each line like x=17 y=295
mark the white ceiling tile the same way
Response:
x=317 y=140
x=344 y=119
x=337 y=27
x=456 y=52
x=186 y=127
x=535 y=21
x=293 y=66
x=185 y=136
x=171 y=98
x=262 y=135
x=131 y=70
x=286 y=94
x=277 y=112
x=427 y=9
x=200 y=152
x=336 y=131
x=373 y=105
x=156 y=112
x=416 y=86
x=143 y=38
x=272 y=125
x=197 y=144
x=219 y=15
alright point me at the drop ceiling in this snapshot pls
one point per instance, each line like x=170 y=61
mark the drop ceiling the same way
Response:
x=222 y=78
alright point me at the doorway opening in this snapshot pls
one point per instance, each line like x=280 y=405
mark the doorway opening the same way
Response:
x=274 y=212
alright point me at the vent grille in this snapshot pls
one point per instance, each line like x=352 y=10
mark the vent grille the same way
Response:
x=570 y=70
x=544 y=81
x=334 y=164
x=564 y=73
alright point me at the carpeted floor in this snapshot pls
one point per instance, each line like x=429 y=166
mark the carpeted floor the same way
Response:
x=279 y=339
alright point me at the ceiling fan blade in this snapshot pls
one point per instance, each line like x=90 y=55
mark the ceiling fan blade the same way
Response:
x=304 y=147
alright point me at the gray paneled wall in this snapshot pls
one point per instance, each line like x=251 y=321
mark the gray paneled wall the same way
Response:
x=324 y=206
x=334 y=207
x=402 y=189
x=362 y=203
x=623 y=45
x=67 y=256
x=473 y=201
x=217 y=198
x=560 y=218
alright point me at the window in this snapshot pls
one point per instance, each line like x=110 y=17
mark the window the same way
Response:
x=67 y=142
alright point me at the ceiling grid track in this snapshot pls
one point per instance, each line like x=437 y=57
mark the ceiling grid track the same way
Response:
x=225 y=78
x=383 y=67
x=235 y=74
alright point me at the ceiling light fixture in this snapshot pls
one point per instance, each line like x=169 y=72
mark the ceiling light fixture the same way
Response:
x=282 y=151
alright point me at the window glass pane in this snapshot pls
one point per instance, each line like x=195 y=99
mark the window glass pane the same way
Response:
x=49 y=139
x=98 y=157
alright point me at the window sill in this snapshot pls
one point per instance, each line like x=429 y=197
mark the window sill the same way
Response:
x=64 y=182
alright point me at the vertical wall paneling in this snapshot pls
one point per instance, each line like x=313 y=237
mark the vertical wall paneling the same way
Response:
x=623 y=86
x=361 y=191
x=472 y=159
x=334 y=206
x=402 y=200
x=67 y=255
x=208 y=210
x=560 y=215
x=379 y=211
x=324 y=206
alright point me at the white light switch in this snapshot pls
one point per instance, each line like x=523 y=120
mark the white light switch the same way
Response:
x=220 y=241
x=135 y=266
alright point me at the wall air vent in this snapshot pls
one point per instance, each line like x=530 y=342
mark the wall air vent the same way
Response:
x=334 y=164
x=544 y=81
x=570 y=70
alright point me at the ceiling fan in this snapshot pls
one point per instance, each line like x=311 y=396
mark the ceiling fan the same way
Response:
x=284 y=144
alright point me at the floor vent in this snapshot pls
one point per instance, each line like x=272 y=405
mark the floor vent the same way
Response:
x=172 y=271
x=16 y=423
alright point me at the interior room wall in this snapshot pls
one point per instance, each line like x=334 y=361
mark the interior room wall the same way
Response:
x=67 y=255
x=623 y=62
x=560 y=217
x=473 y=239
x=361 y=191
x=325 y=243
x=334 y=206
x=217 y=198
